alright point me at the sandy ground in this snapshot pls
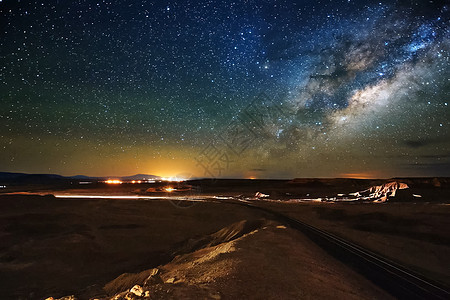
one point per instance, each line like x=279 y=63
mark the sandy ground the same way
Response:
x=415 y=235
x=56 y=247
x=269 y=261
x=61 y=246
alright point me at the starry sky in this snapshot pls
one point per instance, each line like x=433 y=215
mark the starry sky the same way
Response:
x=263 y=89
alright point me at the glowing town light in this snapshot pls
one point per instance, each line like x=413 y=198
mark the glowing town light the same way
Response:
x=113 y=181
x=169 y=189
x=133 y=181
x=172 y=179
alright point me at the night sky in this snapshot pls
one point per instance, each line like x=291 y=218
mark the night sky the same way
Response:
x=264 y=89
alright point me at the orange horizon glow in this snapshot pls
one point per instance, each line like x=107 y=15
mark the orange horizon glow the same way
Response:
x=358 y=175
x=113 y=181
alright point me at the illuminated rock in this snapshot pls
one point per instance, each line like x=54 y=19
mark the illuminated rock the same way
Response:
x=381 y=193
x=261 y=195
x=137 y=290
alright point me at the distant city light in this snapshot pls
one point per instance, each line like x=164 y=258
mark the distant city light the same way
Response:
x=113 y=181
x=175 y=179
x=169 y=189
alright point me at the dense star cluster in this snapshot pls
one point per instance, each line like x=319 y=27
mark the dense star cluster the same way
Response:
x=347 y=88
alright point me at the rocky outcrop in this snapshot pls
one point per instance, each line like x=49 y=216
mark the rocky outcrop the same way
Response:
x=72 y=297
x=247 y=260
x=124 y=281
x=382 y=193
x=224 y=235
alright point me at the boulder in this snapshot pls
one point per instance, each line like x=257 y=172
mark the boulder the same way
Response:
x=137 y=290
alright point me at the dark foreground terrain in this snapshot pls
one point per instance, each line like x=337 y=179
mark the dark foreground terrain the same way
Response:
x=415 y=235
x=57 y=247
x=214 y=249
x=60 y=246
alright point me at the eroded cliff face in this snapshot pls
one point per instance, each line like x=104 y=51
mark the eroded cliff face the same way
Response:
x=381 y=193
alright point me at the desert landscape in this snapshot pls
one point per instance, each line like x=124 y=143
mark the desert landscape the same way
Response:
x=224 y=149
x=203 y=243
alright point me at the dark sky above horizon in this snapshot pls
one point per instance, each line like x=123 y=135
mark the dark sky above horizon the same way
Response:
x=266 y=89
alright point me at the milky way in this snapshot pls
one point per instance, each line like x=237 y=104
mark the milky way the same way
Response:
x=226 y=89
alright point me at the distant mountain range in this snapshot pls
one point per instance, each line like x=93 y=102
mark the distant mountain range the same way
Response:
x=140 y=177
x=25 y=178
